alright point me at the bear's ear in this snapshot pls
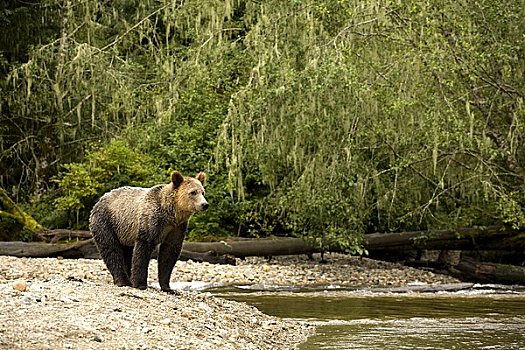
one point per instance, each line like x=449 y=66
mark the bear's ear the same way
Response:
x=201 y=177
x=176 y=178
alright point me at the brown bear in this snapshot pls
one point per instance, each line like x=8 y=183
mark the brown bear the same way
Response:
x=129 y=222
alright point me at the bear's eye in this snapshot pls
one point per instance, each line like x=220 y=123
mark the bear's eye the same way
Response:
x=194 y=193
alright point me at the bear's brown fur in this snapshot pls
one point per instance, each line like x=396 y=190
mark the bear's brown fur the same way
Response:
x=129 y=222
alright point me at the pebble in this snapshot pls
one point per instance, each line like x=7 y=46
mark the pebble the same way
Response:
x=76 y=300
x=20 y=286
x=341 y=270
x=66 y=299
x=165 y=321
x=98 y=338
x=187 y=313
x=110 y=317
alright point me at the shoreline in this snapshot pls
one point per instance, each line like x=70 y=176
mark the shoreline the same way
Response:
x=50 y=303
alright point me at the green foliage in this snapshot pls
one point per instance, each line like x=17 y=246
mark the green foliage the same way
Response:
x=81 y=184
x=511 y=208
x=382 y=116
x=151 y=73
x=324 y=119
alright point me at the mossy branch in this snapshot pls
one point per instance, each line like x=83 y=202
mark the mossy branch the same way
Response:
x=13 y=211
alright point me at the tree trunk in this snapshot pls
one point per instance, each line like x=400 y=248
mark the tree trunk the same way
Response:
x=87 y=250
x=495 y=238
x=56 y=235
x=83 y=249
x=211 y=251
x=254 y=247
x=191 y=250
x=488 y=238
x=222 y=252
x=489 y=272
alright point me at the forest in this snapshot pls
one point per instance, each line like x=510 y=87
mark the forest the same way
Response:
x=324 y=120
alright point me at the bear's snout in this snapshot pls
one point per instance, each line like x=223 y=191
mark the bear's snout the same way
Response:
x=204 y=206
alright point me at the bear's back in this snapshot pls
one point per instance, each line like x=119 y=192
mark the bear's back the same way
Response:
x=123 y=207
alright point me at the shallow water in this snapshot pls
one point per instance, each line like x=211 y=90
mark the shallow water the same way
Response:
x=364 y=320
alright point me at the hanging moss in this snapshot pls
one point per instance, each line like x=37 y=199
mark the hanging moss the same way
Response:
x=361 y=117
x=325 y=119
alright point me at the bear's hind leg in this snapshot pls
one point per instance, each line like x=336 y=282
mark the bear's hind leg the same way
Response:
x=112 y=252
x=128 y=256
x=114 y=259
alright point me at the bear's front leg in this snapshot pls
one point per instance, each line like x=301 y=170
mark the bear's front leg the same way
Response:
x=169 y=252
x=140 y=262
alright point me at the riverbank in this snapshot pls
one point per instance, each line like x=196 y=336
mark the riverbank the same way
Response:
x=71 y=304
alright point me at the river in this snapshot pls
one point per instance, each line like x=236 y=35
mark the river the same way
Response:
x=486 y=317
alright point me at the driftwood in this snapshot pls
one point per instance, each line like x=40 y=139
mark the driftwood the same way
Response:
x=495 y=238
x=213 y=252
x=238 y=247
x=489 y=272
x=87 y=249
x=484 y=238
x=471 y=238
x=254 y=247
x=56 y=235
x=222 y=252
x=487 y=238
x=83 y=249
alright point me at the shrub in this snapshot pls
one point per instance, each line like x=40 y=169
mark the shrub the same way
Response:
x=80 y=185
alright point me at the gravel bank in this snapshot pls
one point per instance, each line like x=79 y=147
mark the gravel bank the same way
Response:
x=72 y=304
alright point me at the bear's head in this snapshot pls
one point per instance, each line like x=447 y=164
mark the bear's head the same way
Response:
x=189 y=193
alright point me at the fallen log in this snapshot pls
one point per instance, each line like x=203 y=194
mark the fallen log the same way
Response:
x=477 y=238
x=254 y=247
x=484 y=238
x=224 y=251
x=87 y=250
x=489 y=272
x=56 y=235
x=494 y=237
x=237 y=248
x=83 y=249
x=212 y=252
